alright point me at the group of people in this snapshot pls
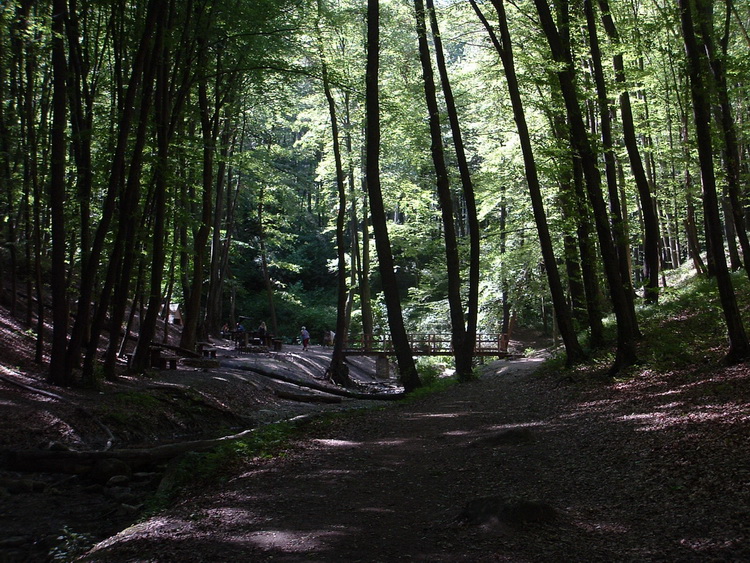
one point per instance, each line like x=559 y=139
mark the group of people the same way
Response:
x=262 y=333
x=239 y=331
x=328 y=338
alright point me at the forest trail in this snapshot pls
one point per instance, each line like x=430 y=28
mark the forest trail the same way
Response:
x=512 y=467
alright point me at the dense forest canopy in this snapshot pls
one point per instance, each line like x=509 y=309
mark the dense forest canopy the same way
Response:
x=537 y=161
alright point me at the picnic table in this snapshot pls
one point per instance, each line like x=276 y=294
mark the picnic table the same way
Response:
x=163 y=360
x=207 y=349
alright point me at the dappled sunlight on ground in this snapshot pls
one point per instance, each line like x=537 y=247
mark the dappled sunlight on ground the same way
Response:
x=634 y=471
x=290 y=541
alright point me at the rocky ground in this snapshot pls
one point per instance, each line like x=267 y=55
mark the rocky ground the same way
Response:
x=53 y=504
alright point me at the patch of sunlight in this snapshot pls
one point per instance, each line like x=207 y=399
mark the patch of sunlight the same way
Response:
x=537 y=424
x=708 y=413
x=338 y=443
x=390 y=442
x=669 y=392
x=229 y=514
x=291 y=541
x=459 y=433
x=224 y=379
x=157 y=525
x=603 y=527
x=335 y=472
x=713 y=544
x=376 y=510
x=673 y=405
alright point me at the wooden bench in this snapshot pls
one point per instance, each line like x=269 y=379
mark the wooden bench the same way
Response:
x=207 y=350
x=163 y=361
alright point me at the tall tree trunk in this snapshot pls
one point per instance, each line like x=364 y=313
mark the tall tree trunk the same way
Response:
x=453 y=266
x=619 y=228
x=472 y=305
x=90 y=269
x=650 y=219
x=57 y=372
x=209 y=131
x=626 y=329
x=264 y=261
x=573 y=198
x=503 y=45
x=212 y=320
x=123 y=256
x=726 y=123
x=739 y=348
x=364 y=274
x=164 y=112
x=338 y=371
x=407 y=368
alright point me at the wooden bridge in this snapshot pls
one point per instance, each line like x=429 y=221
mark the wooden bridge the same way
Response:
x=423 y=344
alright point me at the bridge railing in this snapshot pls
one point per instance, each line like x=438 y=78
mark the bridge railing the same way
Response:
x=429 y=344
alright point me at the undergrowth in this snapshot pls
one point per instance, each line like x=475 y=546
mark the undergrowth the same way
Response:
x=198 y=469
x=685 y=330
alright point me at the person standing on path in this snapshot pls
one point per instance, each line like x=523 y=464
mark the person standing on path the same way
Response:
x=305 y=337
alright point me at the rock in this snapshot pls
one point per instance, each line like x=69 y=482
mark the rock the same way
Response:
x=13 y=541
x=120 y=494
x=104 y=469
x=118 y=480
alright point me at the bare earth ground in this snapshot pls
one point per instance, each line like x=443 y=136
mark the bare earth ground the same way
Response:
x=516 y=466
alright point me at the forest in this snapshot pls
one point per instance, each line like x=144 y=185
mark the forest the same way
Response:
x=370 y=168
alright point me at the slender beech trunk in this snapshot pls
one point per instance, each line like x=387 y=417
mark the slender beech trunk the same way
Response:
x=363 y=274
x=90 y=269
x=57 y=372
x=264 y=260
x=407 y=368
x=726 y=123
x=619 y=228
x=458 y=328
x=626 y=329
x=739 y=348
x=212 y=320
x=650 y=219
x=573 y=199
x=164 y=111
x=123 y=256
x=209 y=118
x=503 y=45
x=472 y=220
x=338 y=371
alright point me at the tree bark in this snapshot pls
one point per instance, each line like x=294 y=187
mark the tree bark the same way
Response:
x=337 y=370
x=453 y=266
x=619 y=227
x=573 y=350
x=626 y=330
x=407 y=368
x=726 y=123
x=650 y=219
x=472 y=304
x=739 y=348
x=57 y=372
x=90 y=269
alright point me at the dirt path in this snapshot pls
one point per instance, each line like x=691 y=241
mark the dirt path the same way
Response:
x=513 y=467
